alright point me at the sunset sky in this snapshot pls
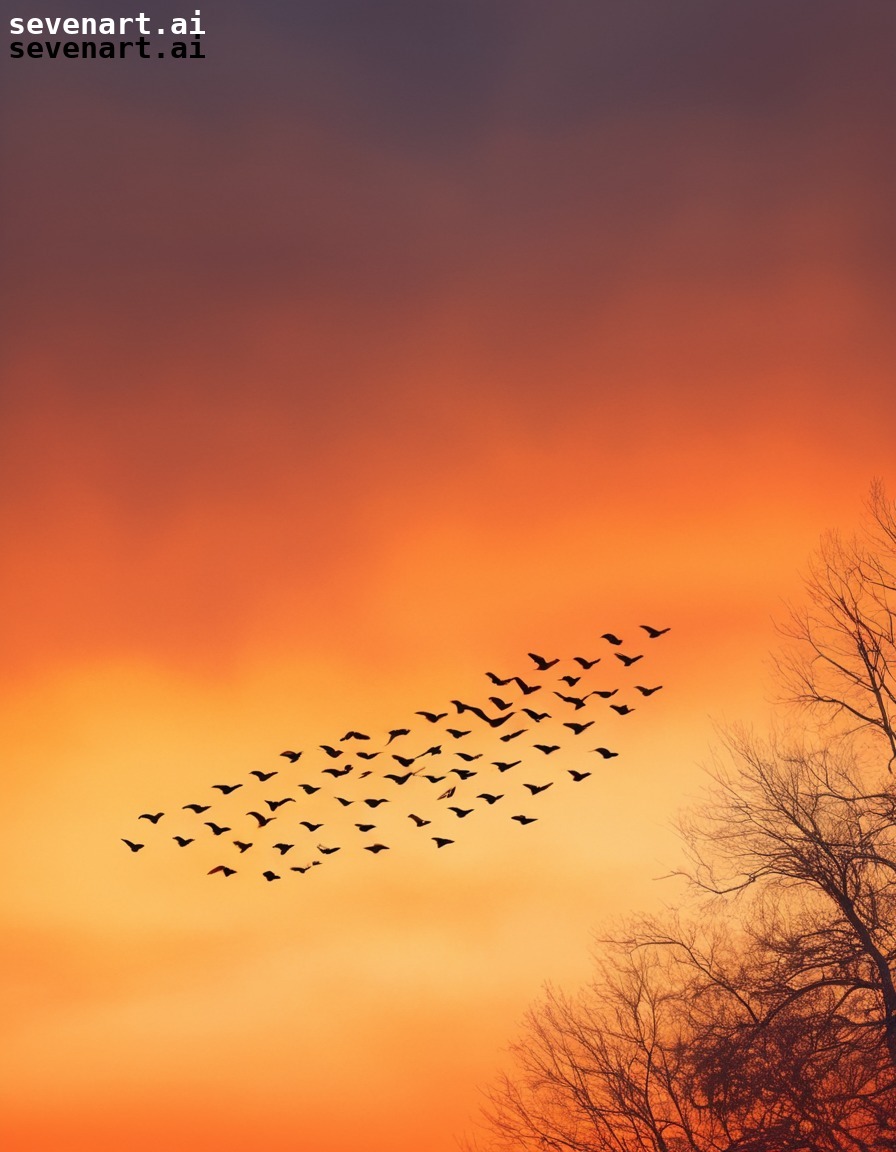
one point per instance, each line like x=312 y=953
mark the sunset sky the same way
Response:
x=389 y=343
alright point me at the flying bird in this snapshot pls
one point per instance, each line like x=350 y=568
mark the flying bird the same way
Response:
x=435 y=750
x=524 y=819
x=628 y=660
x=227 y=788
x=647 y=691
x=536 y=788
x=605 y=753
x=404 y=761
x=183 y=841
x=331 y=751
x=364 y=756
x=434 y=779
x=578 y=776
x=536 y=716
x=460 y=813
x=394 y=733
x=338 y=771
x=365 y=827
x=576 y=729
x=489 y=798
x=501 y=705
x=541 y=664
x=576 y=701
x=432 y=717
x=526 y=689
x=457 y=733
x=291 y=756
x=604 y=693
x=262 y=820
x=327 y=851
x=309 y=789
x=262 y=776
x=355 y=736
x=242 y=845
x=152 y=817
x=283 y=848
x=133 y=847
x=216 y=828
x=418 y=820
x=469 y=757
x=376 y=803
x=398 y=779
x=622 y=709
x=610 y=638
x=197 y=808
x=269 y=875
x=653 y=633
x=586 y=664
x=223 y=868
x=503 y=766
x=448 y=793
x=464 y=773
x=275 y=804
x=547 y=748
x=342 y=800
x=374 y=848
x=512 y=735
x=571 y=680
x=441 y=841
x=311 y=827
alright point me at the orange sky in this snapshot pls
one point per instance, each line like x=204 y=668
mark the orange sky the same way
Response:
x=376 y=355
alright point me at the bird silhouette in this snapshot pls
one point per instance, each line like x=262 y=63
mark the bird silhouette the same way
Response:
x=223 y=868
x=463 y=773
x=404 y=761
x=496 y=680
x=576 y=729
x=457 y=733
x=433 y=750
x=578 y=776
x=183 y=841
x=460 y=813
x=441 y=841
x=275 y=804
x=628 y=660
x=197 y=808
x=586 y=664
x=547 y=748
x=365 y=827
x=374 y=848
x=576 y=701
x=469 y=757
x=216 y=828
x=331 y=751
x=394 y=733
x=605 y=753
x=541 y=664
x=526 y=689
x=504 y=766
x=448 y=793
x=524 y=819
x=397 y=779
x=647 y=691
x=355 y=736
x=571 y=680
x=375 y=803
x=364 y=756
x=536 y=788
x=262 y=776
x=512 y=735
x=610 y=638
x=501 y=705
x=311 y=827
x=283 y=848
x=434 y=779
x=269 y=875
x=342 y=800
x=133 y=847
x=309 y=789
x=291 y=756
x=536 y=716
x=489 y=797
x=622 y=709
x=432 y=717
x=262 y=820
x=337 y=771
x=242 y=845
x=653 y=633
x=152 y=817
x=604 y=693
x=418 y=820
x=327 y=851
x=227 y=788
x=303 y=867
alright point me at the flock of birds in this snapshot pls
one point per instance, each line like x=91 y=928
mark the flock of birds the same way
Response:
x=430 y=776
